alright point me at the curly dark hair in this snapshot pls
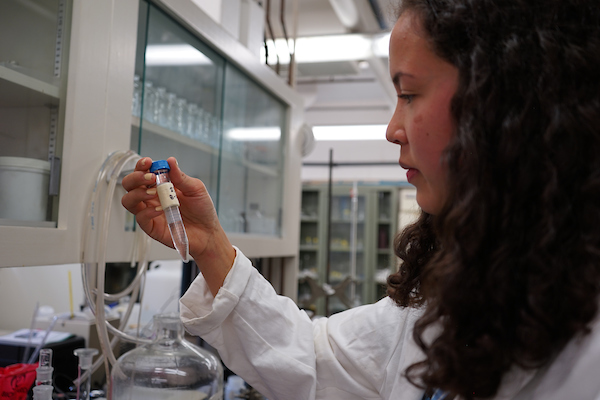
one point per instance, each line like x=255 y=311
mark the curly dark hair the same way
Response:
x=510 y=268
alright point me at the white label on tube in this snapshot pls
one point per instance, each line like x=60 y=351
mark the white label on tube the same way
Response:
x=166 y=195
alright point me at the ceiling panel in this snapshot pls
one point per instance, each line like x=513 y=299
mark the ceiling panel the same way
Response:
x=341 y=88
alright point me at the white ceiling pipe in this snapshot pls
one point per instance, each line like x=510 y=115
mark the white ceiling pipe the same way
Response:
x=347 y=13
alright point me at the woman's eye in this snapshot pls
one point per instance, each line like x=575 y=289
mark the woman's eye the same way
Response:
x=408 y=98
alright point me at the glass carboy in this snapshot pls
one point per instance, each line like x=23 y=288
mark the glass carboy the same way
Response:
x=170 y=368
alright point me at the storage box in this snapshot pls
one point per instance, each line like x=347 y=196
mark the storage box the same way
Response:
x=24 y=188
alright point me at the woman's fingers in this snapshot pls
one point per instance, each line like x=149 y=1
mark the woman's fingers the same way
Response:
x=138 y=179
x=143 y=164
x=138 y=184
x=139 y=199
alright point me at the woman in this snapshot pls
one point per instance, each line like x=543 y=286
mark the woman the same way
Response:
x=498 y=122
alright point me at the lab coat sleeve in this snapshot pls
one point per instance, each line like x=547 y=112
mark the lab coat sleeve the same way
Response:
x=259 y=335
x=276 y=348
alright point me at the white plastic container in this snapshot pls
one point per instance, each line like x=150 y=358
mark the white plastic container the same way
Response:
x=24 y=188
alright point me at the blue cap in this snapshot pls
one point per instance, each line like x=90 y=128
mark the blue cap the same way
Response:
x=160 y=164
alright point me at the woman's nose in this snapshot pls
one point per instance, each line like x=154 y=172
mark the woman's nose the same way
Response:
x=395 y=134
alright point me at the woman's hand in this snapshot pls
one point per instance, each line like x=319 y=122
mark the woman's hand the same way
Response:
x=208 y=243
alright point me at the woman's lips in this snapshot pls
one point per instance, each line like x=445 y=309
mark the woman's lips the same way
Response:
x=410 y=174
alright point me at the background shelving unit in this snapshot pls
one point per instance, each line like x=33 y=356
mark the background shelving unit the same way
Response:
x=367 y=254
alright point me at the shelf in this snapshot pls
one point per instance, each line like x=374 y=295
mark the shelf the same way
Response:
x=346 y=221
x=158 y=130
x=34 y=224
x=336 y=277
x=309 y=247
x=20 y=90
x=341 y=249
x=172 y=136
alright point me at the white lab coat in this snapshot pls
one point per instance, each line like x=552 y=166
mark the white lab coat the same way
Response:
x=356 y=354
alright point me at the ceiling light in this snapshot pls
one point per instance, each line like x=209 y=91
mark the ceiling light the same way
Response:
x=381 y=45
x=331 y=48
x=350 y=132
x=254 y=134
x=175 y=54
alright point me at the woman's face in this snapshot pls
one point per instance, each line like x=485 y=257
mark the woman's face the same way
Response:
x=421 y=124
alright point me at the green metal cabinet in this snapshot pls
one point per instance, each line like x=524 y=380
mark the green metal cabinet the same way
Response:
x=361 y=235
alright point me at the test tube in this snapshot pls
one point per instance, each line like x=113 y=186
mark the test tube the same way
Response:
x=170 y=205
x=44 y=369
x=85 y=362
x=43 y=381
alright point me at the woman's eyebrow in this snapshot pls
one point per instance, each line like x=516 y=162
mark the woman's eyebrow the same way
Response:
x=400 y=74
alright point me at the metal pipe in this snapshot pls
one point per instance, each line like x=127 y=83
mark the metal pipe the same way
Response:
x=328 y=236
x=353 y=241
x=270 y=31
x=349 y=164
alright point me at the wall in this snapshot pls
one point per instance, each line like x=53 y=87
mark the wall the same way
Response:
x=372 y=151
x=45 y=285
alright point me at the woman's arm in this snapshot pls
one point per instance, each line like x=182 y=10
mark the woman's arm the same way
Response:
x=208 y=243
x=264 y=338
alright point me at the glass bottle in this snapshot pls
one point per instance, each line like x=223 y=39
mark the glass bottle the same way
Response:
x=180 y=116
x=150 y=99
x=190 y=123
x=167 y=117
x=161 y=105
x=169 y=368
x=136 y=103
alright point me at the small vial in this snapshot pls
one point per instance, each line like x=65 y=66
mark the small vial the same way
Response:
x=170 y=205
x=43 y=382
x=44 y=369
x=42 y=392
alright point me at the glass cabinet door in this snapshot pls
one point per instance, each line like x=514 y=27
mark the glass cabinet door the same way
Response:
x=33 y=61
x=347 y=251
x=312 y=254
x=251 y=170
x=386 y=264
x=176 y=103
x=224 y=128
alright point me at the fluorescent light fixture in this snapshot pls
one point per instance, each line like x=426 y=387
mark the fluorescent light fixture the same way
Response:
x=313 y=49
x=350 y=132
x=175 y=54
x=254 y=134
x=278 y=48
x=381 y=45
x=333 y=48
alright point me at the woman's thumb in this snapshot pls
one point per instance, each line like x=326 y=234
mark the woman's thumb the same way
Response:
x=185 y=183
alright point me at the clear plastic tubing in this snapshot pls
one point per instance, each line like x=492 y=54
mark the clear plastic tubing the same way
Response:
x=170 y=205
